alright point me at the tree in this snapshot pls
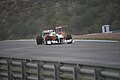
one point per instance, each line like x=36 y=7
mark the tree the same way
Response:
x=3 y=31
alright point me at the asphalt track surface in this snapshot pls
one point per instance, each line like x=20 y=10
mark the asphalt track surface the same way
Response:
x=100 y=53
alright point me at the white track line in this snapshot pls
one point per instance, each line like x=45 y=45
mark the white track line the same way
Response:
x=74 y=40
x=97 y=40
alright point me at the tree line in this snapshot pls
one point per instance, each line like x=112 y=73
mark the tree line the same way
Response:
x=26 y=18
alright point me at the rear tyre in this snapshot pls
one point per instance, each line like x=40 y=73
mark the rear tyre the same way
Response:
x=69 y=38
x=39 y=40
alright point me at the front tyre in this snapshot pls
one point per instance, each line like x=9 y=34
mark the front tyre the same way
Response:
x=48 y=40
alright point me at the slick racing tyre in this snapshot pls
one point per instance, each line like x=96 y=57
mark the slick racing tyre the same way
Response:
x=39 y=40
x=69 y=38
x=48 y=40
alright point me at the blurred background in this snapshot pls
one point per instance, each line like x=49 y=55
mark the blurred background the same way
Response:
x=23 y=19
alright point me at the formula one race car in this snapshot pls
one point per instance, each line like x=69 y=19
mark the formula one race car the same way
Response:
x=54 y=36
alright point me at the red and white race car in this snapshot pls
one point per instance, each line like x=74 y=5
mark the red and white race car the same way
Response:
x=54 y=36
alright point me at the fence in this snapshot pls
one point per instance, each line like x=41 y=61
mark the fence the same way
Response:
x=28 y=69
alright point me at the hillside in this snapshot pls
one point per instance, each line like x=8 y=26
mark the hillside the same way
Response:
x=26 y=18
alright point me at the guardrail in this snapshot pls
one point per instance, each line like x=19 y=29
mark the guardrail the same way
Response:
x=28 y=69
